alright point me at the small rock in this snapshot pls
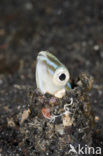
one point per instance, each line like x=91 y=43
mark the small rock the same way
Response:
x=28 y=6
x=96 y=47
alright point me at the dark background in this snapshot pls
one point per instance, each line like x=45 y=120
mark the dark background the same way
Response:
x=70 y=29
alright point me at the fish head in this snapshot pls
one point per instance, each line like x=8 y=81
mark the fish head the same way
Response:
x=51 y=75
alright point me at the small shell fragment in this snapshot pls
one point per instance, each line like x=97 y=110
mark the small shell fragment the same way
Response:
x=25 y=115
x=67 y=120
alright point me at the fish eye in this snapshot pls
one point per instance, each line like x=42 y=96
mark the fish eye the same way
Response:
x=62 y=77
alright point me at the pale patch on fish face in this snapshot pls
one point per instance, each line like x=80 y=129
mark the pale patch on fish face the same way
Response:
x=51 y=75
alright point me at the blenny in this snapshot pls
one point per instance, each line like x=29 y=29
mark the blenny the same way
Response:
x=51 y=75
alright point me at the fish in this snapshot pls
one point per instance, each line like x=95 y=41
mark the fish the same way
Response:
x=52 y=76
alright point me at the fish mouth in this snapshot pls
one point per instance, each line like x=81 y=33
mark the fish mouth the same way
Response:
x=41 y=55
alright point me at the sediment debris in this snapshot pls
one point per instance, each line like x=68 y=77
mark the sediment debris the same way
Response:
x=48 y=125
x=59 y=123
